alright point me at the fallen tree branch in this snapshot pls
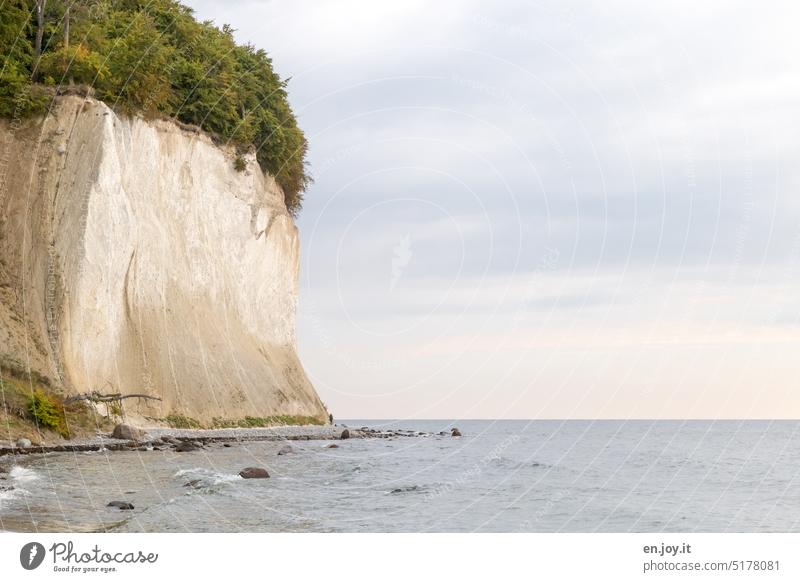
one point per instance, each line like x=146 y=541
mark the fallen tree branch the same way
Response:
x=97 y=397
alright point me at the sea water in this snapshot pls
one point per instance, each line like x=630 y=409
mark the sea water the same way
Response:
x=507 y=476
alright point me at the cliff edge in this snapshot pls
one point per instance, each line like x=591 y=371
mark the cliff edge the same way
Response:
x=136 y=259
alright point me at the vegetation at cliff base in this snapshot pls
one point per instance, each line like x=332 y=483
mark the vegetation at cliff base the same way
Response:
x=47 y=412
x=152 y=57
x=176 y=420
x=30 y=408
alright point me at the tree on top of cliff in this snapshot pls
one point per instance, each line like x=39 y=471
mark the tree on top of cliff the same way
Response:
x=153 y=57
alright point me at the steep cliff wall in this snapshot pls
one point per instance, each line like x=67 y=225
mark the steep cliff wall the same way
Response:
x=134 y=258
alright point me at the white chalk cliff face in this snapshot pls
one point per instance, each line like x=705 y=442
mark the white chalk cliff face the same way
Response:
x=134 y=258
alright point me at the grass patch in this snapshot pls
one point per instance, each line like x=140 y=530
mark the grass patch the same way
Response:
x=266 y=421
x=180 y=421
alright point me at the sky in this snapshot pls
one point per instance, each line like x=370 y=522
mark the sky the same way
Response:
x=528 y=209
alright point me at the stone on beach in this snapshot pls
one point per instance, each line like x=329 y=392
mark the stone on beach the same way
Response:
x=128 y=433
x=24 y=443
x=345 y=434
x=286 y=450
x=253 y=473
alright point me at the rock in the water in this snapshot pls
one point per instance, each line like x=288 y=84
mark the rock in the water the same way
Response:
x=254 y=473
x=455 y=432
x=6 y=487
x=121 y=505
x=128 y=433
x=333 y=446
x=286 y=450
x=345 y=434
x=195 y=483
x=408 y=489
x=24 y=443
x=187 y=447
x=226 y=445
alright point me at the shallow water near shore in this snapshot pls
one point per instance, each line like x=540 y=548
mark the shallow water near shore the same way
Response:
x=510 y=476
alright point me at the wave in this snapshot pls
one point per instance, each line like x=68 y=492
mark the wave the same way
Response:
x=22 y=474
x=10 y=488
x=502 y=462
x=7 y=495
x=202 y=479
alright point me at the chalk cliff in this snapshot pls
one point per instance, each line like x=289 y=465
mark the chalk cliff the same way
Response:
x=134 y=258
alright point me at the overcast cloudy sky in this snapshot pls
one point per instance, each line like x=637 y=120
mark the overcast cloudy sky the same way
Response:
x=525 y=209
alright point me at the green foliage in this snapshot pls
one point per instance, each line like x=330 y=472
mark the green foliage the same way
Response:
x=47 y=412
x=258 y=421
x=180 y=421
x=153 y=57
x=239 y=164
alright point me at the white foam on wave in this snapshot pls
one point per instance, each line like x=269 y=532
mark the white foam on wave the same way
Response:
x=23 y=474
x=208 y=476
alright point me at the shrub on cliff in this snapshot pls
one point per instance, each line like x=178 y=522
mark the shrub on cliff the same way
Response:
x=47 y=412
x=153 y=57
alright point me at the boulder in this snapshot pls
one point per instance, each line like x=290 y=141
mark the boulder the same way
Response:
x=121 y=505
x=345 y=434
x=455 y=432
x=187 y=447
x=24 y=443
x=253 y=473
x=286 y=450
x=128 y=433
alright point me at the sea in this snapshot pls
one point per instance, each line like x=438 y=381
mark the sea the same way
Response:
x=499 y=476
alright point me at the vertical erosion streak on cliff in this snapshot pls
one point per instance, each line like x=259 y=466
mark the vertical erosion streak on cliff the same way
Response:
x=172 y=274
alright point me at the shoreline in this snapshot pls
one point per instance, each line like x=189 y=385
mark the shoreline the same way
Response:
x=195 y=439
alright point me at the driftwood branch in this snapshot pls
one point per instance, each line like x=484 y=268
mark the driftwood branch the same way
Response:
x=97 y=397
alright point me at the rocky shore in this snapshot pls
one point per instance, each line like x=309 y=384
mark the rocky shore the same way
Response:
x=127 y=438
